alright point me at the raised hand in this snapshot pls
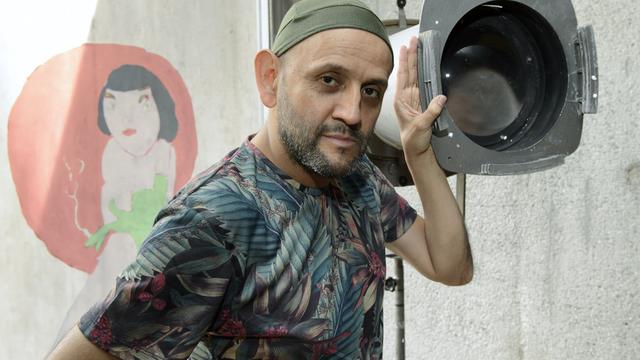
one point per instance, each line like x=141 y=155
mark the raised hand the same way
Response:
x=415 y=125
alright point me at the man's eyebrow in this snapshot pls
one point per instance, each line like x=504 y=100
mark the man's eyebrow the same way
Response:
x=333 y=67
x=329 y=66
x=378 y=81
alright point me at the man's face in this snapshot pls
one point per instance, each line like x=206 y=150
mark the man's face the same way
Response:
x=330 y=91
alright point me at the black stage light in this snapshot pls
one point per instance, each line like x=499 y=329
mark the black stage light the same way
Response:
x=519 y=75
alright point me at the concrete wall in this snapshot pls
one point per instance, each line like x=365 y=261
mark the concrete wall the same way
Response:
x=557 y=253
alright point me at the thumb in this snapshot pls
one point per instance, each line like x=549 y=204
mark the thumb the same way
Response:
x=433 y=111
x=437 y=104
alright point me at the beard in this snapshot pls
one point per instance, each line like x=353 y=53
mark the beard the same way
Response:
x=301 y=141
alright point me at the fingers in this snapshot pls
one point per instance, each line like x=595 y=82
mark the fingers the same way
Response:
x=403 y=74
x=408 y=65
x=408 y=116
x=412 y=62
x=407 y=99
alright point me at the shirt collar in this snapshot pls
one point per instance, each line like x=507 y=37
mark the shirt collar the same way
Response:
x=251 y=147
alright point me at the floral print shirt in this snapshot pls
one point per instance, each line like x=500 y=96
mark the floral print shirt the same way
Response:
x=246 y=263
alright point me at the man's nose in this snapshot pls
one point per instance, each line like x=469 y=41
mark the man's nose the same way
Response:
x=347 y=109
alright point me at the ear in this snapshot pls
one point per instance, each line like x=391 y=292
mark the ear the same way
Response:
x=266 y=67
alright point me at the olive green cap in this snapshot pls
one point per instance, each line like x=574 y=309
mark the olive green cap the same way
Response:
x=309 y=17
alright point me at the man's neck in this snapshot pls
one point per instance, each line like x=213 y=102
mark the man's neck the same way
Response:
x=268 y=141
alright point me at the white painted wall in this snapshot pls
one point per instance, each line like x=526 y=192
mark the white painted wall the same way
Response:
x=36 y=286
x=210 y=43
x=557 y=253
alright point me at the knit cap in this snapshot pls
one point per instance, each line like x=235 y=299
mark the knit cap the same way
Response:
x=309 y=17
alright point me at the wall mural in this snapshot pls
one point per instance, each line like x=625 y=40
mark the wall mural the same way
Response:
x=99 y=139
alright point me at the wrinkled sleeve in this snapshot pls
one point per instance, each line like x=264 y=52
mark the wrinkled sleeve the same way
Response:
x=165 y=301
x=396 y=213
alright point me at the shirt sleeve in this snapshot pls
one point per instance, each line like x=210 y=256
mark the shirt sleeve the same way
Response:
x=165 y=301
x=396 y=213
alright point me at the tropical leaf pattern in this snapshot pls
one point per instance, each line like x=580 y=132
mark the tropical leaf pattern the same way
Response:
x=245 y=263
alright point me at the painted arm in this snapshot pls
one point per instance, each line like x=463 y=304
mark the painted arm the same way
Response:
x=112 y=190
x=106 y=196
x=165 y=164
x=172 y=172
x=437 y=246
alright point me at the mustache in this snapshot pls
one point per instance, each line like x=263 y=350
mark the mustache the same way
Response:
x=341 y=128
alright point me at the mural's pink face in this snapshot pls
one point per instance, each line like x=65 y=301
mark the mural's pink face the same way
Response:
x=132 y=118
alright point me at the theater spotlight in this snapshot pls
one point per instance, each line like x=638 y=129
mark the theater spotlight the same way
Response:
x=519 y=76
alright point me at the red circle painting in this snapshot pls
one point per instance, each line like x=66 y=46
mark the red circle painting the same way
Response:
x=99 y=139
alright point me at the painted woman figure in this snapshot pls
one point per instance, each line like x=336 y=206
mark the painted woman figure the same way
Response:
x=138 y=162
x=98 y=139
x=138 y=168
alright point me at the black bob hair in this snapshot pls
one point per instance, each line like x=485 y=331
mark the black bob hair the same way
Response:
x=135 y=77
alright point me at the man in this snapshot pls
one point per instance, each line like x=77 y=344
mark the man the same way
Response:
x=277 y=252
